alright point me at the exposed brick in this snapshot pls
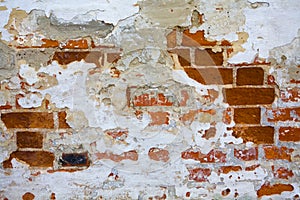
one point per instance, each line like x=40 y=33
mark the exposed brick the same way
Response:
x=28 y=120
x=130 y=155
x=250 y=76
x=227 y=115
x=209 y=133
x=199 y=174
x=274 y=153
x=184 y=57
x=289 y=134
x=246 y=154
x=159 y=118
x=290 y=94
x=6 y=106
x=284 y=114
x=29 y=139
x=62 y=122
x=113 y=57
x=32 y=158
x=192 y=114
x=211 y=157
x=171 y=39
x=208 y=58
x=28 y=196
x=151 y=100
x=248 y=96
x=48 y=43
x=75 y=159
x=67 y=57
x=252 y=167
x=225 y=192
x=158 y=154
x=247 y=115
x=255 y=134
x=118 y=134
x=227 y=169
x=282 y=173
x=196 y=39
x=76 y=44
x=209 y=76
x=267 y=189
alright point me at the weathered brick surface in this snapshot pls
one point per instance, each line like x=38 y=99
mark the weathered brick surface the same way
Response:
x=158 y=154
x=246 y=154
x=249 y=96
x=208 y=57
x=268 y=189
x=184 y=57
x=255 y=134
x=250 y=76
x=199 y=174
x=62 y=120
x=29 y=139
x=28 y=120
x=284 y=114
x=209 y=76
x=211 y=157
x=196 y=39
x=289 y=134
x=274 y=153
x=159 y=118
x=247 y=115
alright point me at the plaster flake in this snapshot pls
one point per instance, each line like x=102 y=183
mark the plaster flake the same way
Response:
x=30 y=101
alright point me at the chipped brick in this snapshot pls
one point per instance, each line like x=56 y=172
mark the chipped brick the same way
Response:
x=255 y=134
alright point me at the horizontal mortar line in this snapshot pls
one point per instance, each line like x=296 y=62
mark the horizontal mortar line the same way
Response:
x=206 y=67
x=44 y=130
x=249 y=125
x=253 y=86
x=31 y=149
x=28 y=111
x=249 y=106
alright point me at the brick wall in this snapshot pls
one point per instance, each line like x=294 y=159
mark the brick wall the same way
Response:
x=91 y=118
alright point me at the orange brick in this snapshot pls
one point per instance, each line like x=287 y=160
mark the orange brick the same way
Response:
x=199 y=174
x=158 y=154
x=246 y=154
x=28 y=120
x=183 y=56
x=211 y=157
x=249 y=96
x=32 y=158
x=250 y=76
x=48 y=43
x=29 y=140
x=62 y=122
x=207 y=57
x=247 y=115
x=159 y=118
x=209 y=76
x=28 y=196
x=255 y=134
x=274 y=153
x=282 y=173
x=289 y=134
x=227 y=169
x=196 y=39
x=290 y=95
x=76 y=44
x=113 y=57
x=150 y=100
x=267 y=189
x=284 y=114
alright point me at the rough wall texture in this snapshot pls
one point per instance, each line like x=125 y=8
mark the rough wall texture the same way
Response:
x=149 y=99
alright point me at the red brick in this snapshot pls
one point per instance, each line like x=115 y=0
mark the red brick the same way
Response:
x=158 y=154
x=151 y=100
x=28 y=120
x=284 y=114
x=250 y=76
x=290 y=95
x=29 y=140
x=289 y=134
x=227 y=169
x=199 y=174
x=32 y=158
x=247 y=115
x=76 y=44
x=252 y=167
x=192 y=114
x=209 y=76
x=246 y=154
x=267 y=189
x=227 y=115
x=275 y=153
x=118 y=134
x=159 y=118
x=208 y=58
x=48 y=43
x=129 y=155
x=196 y=39
x=62 y=122
x=171 y=39
x=6 y=106
x=212 y=157
x=255 y=134
x=28 y=196
x=183 y=56
x=75 y=159
x=282 y=173
x=249 y=96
